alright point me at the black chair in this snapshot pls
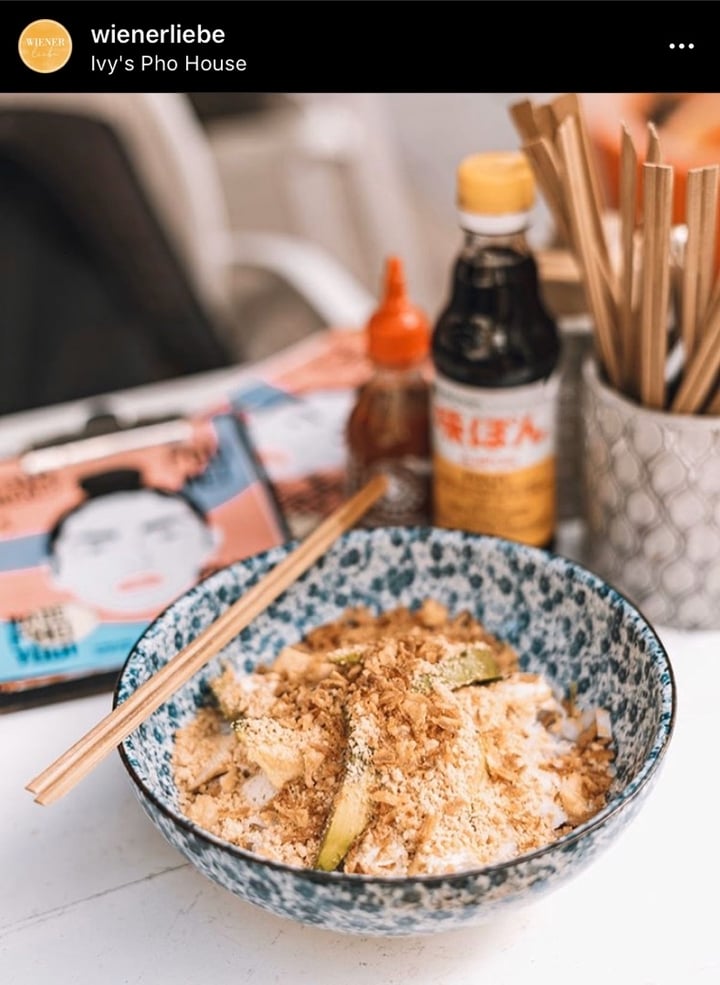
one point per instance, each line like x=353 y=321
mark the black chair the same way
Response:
x=116 y=262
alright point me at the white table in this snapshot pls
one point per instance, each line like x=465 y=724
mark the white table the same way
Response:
x=91 y=893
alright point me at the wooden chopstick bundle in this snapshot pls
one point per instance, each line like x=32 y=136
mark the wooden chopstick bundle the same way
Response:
x=556 y=142
x=66 y=771
x=657 y=272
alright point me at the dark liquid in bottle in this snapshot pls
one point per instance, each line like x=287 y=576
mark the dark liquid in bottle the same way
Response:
x=494 y=335
x=495 y=331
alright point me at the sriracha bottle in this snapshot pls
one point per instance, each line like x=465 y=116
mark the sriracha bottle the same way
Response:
x=388 y=430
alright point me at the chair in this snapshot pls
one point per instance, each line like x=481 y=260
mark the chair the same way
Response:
x=118 y=266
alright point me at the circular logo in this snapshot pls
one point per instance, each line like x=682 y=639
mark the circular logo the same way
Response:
x=45 y=46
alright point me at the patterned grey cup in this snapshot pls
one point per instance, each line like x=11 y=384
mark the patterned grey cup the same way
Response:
x=652 y=505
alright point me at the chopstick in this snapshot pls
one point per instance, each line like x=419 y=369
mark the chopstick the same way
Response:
x=691 y=264
x=543 y=160
x=655 y=283
x=535 y=124
x=713 y=406
x=703 y=369
x=74 y=764
x=522 y=114
x=568 y=106
x=654 y=151
x=708 y=233
x=628 y=220
x=590 y=251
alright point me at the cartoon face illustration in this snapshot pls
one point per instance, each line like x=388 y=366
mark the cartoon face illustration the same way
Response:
x=131 y=550
x=300 y=437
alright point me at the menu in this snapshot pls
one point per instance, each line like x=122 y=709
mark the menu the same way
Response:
x=98 y=536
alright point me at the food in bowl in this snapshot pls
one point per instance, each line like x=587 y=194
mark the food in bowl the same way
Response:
x=404 y=743
x=560 y=619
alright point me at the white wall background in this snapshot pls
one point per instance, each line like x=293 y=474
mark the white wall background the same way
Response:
x=365 y=174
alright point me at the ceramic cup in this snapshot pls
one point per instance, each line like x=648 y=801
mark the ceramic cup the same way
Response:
x=651 y=491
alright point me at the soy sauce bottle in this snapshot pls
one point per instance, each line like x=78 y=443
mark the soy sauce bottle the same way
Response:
x=495 y=351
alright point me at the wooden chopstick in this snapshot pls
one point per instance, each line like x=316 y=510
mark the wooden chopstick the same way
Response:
x=657 y=221
x=691 y=264
x=628 y=221
x=589 y=250
x=708 y=240
x=703 y=369
x=522 y=114
x=546 y=122
x=699 y=296
x=713 y=406
x=66 y=771
x=543 y=160
x=569 y=106
x=654 y=150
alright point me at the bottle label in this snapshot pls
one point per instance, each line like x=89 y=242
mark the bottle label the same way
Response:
x=494 y=459
x=407 y=501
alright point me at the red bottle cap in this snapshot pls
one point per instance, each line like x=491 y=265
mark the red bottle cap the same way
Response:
x=398 y=331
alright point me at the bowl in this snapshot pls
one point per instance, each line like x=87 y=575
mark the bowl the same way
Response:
x=563 y=621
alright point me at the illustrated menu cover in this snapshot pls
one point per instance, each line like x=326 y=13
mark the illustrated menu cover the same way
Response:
x=295 y=406
x=94 y=546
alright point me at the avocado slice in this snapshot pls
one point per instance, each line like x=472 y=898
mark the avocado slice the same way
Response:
x=349 y=816
x=474 y=665
x=351 y=807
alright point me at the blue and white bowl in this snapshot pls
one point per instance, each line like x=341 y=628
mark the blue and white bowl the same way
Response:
x=562 y=620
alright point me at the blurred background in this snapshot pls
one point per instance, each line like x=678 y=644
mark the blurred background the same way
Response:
x=145 y=236
x=361 y=174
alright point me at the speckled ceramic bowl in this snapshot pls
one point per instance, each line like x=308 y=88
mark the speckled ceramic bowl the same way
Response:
x=564 y=622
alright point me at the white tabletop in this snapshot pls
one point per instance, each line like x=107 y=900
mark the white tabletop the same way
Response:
x=91 y=893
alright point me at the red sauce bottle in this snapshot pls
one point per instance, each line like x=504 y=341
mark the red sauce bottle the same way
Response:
x=388 y=430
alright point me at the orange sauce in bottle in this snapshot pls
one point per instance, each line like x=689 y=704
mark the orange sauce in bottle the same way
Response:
x=388 y=430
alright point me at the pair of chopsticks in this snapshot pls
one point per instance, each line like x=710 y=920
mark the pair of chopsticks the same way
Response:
x=66 y=771
x=632 y=295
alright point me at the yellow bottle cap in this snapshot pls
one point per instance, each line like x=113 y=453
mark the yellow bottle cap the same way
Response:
x=495 y=183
